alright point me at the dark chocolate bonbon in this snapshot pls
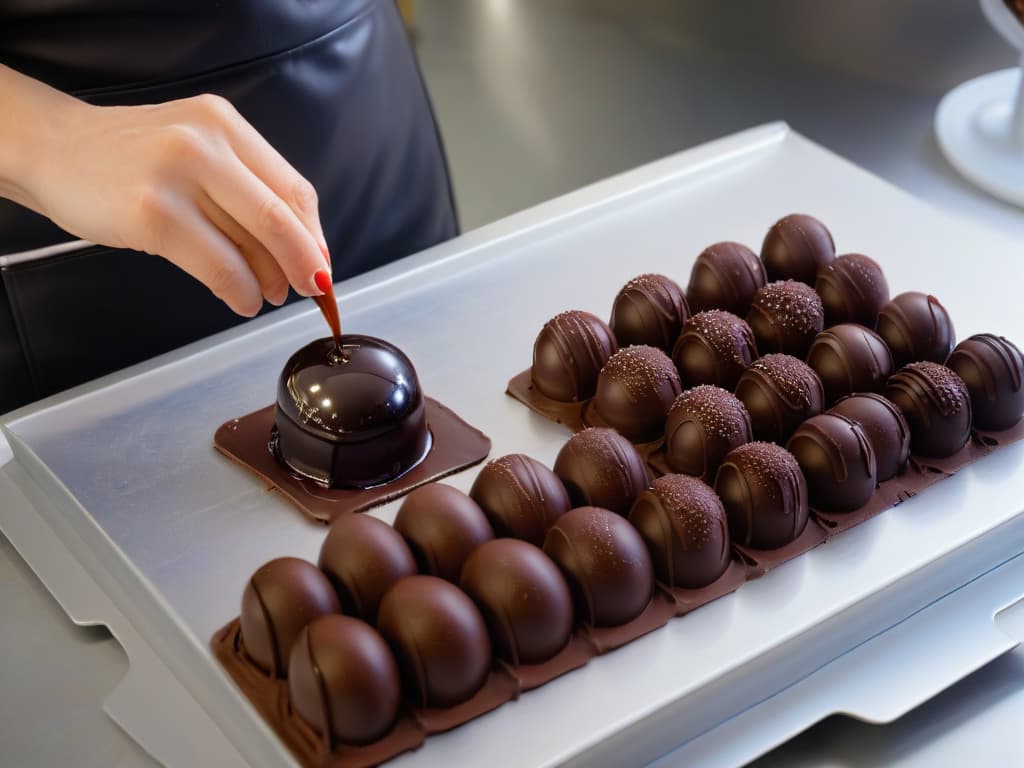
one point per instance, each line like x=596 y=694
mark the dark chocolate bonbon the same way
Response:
x=779 y=392
x=992 y=367
x=569 y=352
x=601 y=468
x=704 y=424
x=785 y=316
x=916 y=327
x=850 y=358
x=725 y=276
x=714 y=347
x=837 y=462
x=521 y=497
x=937 y=406
x=795 y=248
x=650 y=309
x=634 y=391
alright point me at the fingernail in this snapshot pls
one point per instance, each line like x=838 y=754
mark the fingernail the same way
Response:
x=322 y=280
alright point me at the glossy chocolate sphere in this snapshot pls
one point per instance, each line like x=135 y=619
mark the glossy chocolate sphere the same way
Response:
x=520 y=497
x=850 y=358
x=523 y=598
x=442 y=525
x=350 y=419
x=650 y=309
x=885 y=427
x=280 y=599
x=343 y=680
x=439 y=640
x=715 y=347
x=363 y=557
x=601 y=468
x=568 y=354
x=937 y=406
x=683 y=523
x=837 y=460
x=993 y=369
x=853 y=289
x=779 y=392
x=764 y=494
x=725 y=276
x=704 y=423
x=795 y=247
x=634 y=391
x=916 y=328
x=606 y=564
x=785 y=317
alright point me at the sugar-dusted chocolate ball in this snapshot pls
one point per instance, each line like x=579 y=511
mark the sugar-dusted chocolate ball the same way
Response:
x=343 y=680
x=363 y=557
x=796 y=247
x=993 y=369
x=779 y=392
x=280 y=599
x=605 y=563
x=601 y=468
x=715 y=347
x=785 y=317
x=683 y=523
x=725 y=276
x=850 y=358
x=764 y=495
x=937 y=406
x=650 y=309
x=442 y=525
x=520 y=497
x=916 y=328
x=885 y=427
x=569 y=352
x=704 y=423
x=634 y=391
x=439 y=640
x=837 y=460
x=523 y=598
x=853 y=289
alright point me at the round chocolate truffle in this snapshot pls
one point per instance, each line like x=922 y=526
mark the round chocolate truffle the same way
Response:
x=785 y=317
x=634 y=391
x=850 y=358
x=352 y=417
x=442 y=525
x=569 y=352
x=704 y=423
x=764 y=494
x=916 y=327
x=343 y=680
x=779 y=393
x=714 y=348
x=993 y=369
x=520 y=497
x=795 y=247
x=280 y=599
x=837 y=461
x=936 y=405
x=606 y=564
x=601 y=468
x=439 y=639
x=725 y=276
x=683 y=523
x=853 y=289
x=650 y=309
x=363 y=557
x=523 y=598
x=884 y=426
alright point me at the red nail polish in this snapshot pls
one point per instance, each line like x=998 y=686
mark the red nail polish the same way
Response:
x=322 y=278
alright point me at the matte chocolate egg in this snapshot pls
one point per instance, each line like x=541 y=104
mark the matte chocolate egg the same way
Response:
x=837 y=460
x=764 y=494
x=704 y=423
x=634 y=391
x=280 y=599
x=785 y=317
x=352 y=418
x=850 y=358
x=523 y=598
x=683 y=523
x=725 y=276
x=442 y=525
x=936 y=405
x=520 y=497
x=601 y=468
x=885 y=427
x=715 y=347
x=568 y=354
x=439 y=640
x=363 y=557
x=993 y=369
x=779 y=392
x=343 y=680
x=650 y=309
x=795 y=247
x=605 y=562
x=916 y=327
x=853 y=289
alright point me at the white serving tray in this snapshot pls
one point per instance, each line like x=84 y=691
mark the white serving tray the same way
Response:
x=121 y=473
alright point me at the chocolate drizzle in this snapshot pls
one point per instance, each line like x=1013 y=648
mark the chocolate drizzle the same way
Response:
x=601 y=468
x=916 y=327
x=779 y=392
x=650 y=309
x=936 y=404
x=725 y=276
x=714 y=348
x=837 y=461
x=993 y=370
x=569 y=352
x=520 y=497
x=785 y=316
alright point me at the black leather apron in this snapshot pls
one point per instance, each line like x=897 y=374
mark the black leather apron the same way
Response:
x=334 y=86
